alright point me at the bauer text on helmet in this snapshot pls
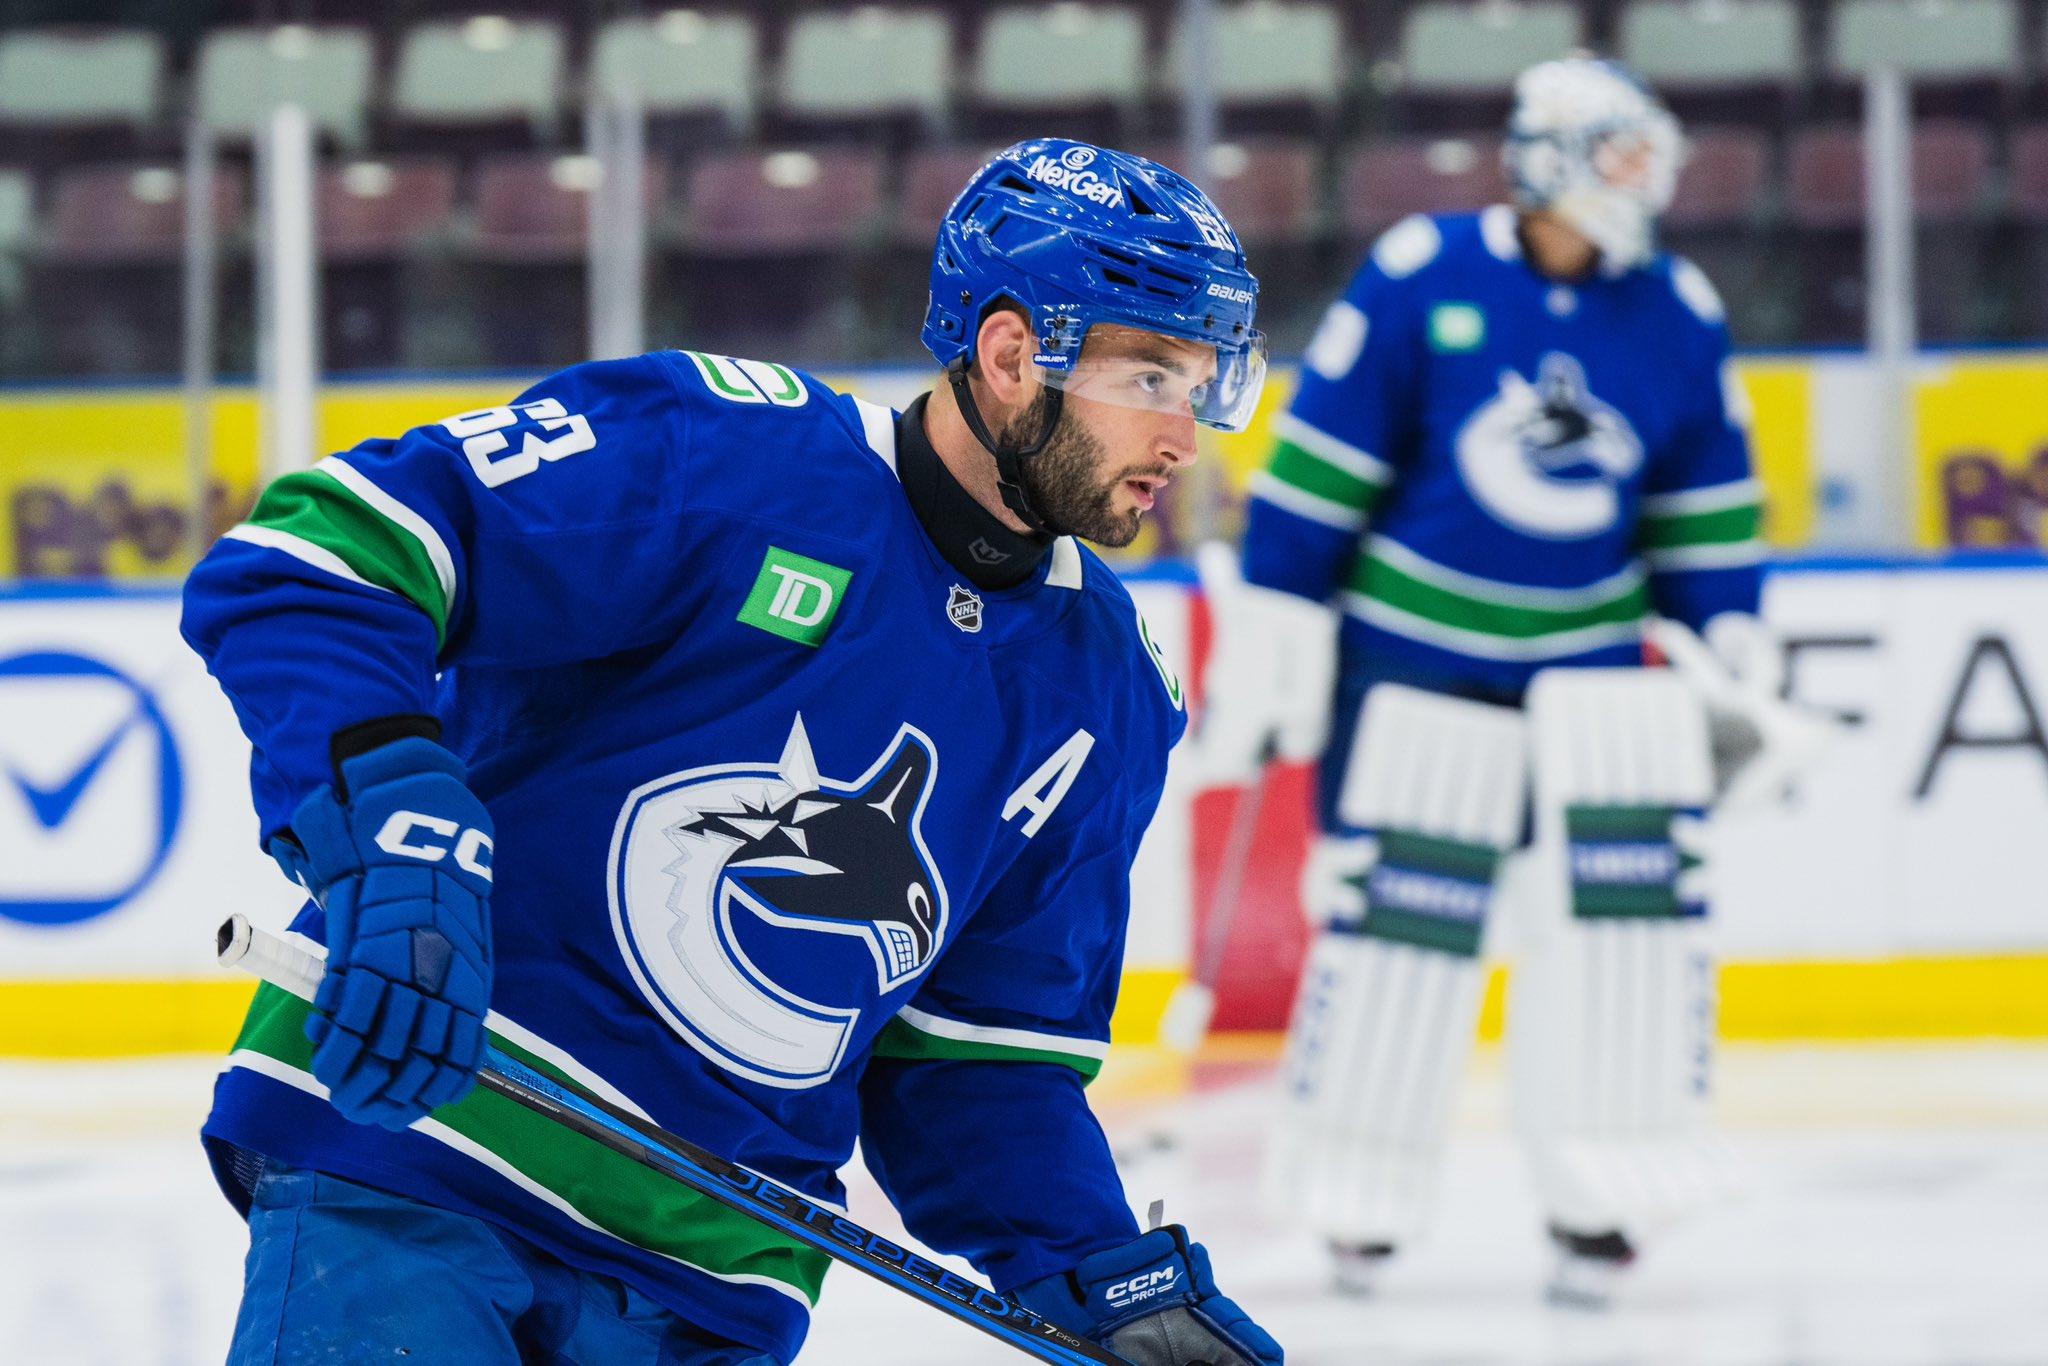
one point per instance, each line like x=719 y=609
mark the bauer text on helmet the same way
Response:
x=1079 y=236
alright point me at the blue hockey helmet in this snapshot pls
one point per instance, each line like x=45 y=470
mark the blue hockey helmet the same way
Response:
x=1078 y=235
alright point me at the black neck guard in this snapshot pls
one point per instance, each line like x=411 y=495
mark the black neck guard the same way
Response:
x=972 y=539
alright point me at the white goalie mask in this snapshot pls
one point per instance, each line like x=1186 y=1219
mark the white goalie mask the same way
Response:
x=1590 y=144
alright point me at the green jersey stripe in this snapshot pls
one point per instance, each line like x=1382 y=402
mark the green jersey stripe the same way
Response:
x=1005 y=1036
x=1298 y=466
x=414 y=525
x=1378 y=579
x=1417 y=566
x=901 y=1040
x=315 y=507
x=305 y=552
x=916 y=1033
x=1721 y=527
x=600 y=1188
x=1482 y=644
x=1359 y=464
x=1302 y=503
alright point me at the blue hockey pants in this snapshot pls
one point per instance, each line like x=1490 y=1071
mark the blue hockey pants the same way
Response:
x=341 y=1273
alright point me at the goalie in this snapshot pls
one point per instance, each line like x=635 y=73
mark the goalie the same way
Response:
x=1516 y=443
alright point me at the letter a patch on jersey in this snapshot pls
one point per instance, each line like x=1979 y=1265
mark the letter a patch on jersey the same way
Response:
x=795 y=597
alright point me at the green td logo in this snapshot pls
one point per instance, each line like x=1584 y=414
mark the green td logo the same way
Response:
x=1456 y=327
x=795 y=597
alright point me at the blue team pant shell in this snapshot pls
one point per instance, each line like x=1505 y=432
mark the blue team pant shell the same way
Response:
x=341 y=1273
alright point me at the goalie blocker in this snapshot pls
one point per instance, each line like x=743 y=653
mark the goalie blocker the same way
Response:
x=1612 y=1012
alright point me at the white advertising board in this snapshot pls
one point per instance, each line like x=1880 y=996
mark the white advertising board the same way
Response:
x=1925 y=829
x=126 y=831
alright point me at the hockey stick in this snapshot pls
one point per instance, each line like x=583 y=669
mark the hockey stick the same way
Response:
x=795 y=1216
x=1185 y=1025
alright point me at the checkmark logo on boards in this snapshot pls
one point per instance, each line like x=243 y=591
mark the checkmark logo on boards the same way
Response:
x=52 y=805
x=58 y=883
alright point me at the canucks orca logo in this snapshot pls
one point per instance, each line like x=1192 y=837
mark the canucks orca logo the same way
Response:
x=1546 y=458
x=721 y=875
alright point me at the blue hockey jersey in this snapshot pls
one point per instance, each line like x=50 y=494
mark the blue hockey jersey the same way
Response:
x=1491 y=472
x=799 y=837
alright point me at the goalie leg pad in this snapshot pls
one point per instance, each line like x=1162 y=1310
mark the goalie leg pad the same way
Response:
x=1611 y=1030
x=1433 y=794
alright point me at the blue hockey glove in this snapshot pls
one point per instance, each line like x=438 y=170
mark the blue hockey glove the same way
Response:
x=1154 y=1303
x=400 y=858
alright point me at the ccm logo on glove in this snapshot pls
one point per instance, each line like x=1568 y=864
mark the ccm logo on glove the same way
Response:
x=1144 y=1287
x=397 y=831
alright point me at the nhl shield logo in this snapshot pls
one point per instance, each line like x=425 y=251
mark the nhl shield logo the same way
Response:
x=963 y=609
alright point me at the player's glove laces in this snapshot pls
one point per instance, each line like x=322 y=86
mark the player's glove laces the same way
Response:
x=401 y=861
x=1154 y=1303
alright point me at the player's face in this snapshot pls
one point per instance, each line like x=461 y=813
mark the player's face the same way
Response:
x=1627 y=163
x=1126 y=428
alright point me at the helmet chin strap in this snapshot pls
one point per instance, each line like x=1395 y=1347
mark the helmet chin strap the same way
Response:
x=1009 y=459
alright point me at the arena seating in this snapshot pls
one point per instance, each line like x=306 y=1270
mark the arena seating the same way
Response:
x=451 y=134
x=242 y=72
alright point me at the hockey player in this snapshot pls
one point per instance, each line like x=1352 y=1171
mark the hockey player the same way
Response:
x=761 y=760
x=1516 y=438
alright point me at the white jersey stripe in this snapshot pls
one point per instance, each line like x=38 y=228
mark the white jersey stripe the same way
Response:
x=878 y=425
x=265 y=1065
x=1482 y=645
x=322 y=559
x=1727 y=555
x=1711 y=498
x=1616 y=585
x=1065 y=571
x=1302 y=503
x=1331 y=450
x=964 y=1032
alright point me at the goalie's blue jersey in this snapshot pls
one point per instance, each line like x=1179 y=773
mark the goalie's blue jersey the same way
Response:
x=800 y=837
x=1491 y=472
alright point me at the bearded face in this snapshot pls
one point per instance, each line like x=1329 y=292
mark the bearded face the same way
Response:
x=1070 y=480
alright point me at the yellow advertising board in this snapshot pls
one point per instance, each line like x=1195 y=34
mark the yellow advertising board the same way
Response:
x=1981 y=442
x=94 y=483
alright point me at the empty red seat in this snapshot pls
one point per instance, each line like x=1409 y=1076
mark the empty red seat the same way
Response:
x=131 y=215
x=371 y=210
x=537 y=208
x=2030 y=173
x=1824 y=178
x=790 y=202
x=1951 y=169
x=1825 y=182
x=1386 y=181
x=1724 y=178
x=932 y=179
x=1266 y=187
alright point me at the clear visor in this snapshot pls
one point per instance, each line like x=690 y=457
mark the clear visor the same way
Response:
x=1129 y=368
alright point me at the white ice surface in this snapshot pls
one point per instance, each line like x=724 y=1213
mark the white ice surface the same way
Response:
x=1899 y=1217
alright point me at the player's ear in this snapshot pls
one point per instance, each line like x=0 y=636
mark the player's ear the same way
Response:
x=1003 y=351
